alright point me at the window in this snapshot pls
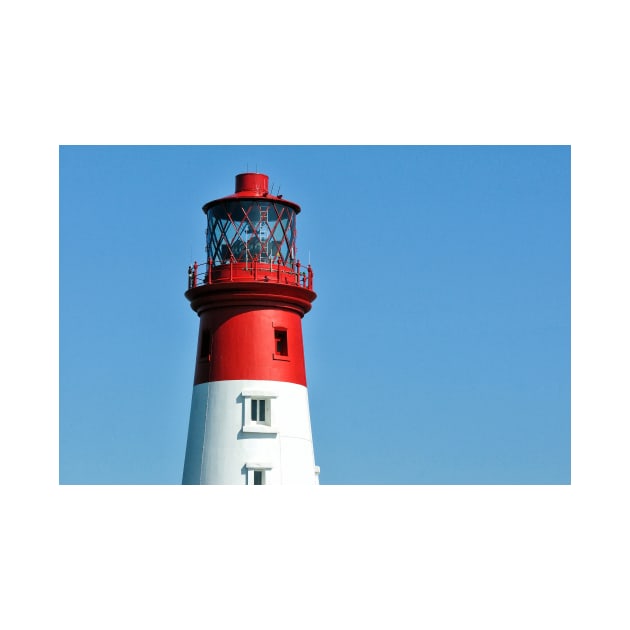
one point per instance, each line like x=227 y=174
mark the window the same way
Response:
x=281 y=347
x=256 y=474
x=242 y=230
x=280 y=343
x=206 y=343
x=259 y=411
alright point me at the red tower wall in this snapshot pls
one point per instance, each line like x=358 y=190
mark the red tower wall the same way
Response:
x=250 y=331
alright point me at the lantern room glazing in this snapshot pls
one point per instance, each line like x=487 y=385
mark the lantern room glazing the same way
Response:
x=251 y=230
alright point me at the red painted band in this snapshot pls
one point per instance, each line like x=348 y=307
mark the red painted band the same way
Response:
x=250 y=331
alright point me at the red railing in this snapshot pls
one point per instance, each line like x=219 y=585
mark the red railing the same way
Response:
x=207 y=273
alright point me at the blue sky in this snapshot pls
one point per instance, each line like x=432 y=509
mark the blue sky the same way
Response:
x=437 y=351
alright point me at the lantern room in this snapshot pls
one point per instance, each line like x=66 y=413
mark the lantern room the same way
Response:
x=251 y=225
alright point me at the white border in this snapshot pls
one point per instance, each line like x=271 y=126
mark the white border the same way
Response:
x=440 y=557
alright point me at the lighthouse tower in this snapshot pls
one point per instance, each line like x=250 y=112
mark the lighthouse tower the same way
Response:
x=249 y=417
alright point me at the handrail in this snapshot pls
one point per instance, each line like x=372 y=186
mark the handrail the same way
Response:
x=248 y=271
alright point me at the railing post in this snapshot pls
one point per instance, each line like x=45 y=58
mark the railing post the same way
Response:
x=195 y=267
x=310 y=277
x=297 y=277
x=209 y=276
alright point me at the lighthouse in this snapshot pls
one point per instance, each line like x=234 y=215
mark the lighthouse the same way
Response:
x=249 y=418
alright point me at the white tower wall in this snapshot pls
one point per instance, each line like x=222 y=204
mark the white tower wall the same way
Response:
x=226 y=446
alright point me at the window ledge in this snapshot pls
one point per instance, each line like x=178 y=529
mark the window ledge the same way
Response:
x=258 y=393
x=252 y=428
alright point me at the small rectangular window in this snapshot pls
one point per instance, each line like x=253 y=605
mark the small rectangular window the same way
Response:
x=204 y=349
x=281 y=344
x=259 y=411
x=257 y=474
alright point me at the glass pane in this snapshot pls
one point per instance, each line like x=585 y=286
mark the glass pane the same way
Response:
x=244 y=230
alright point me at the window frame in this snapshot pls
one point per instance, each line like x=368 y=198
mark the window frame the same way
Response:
x=281 y=334
x=256 y=426
x=252 y=468
x=259 y=410
x=205 y=346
